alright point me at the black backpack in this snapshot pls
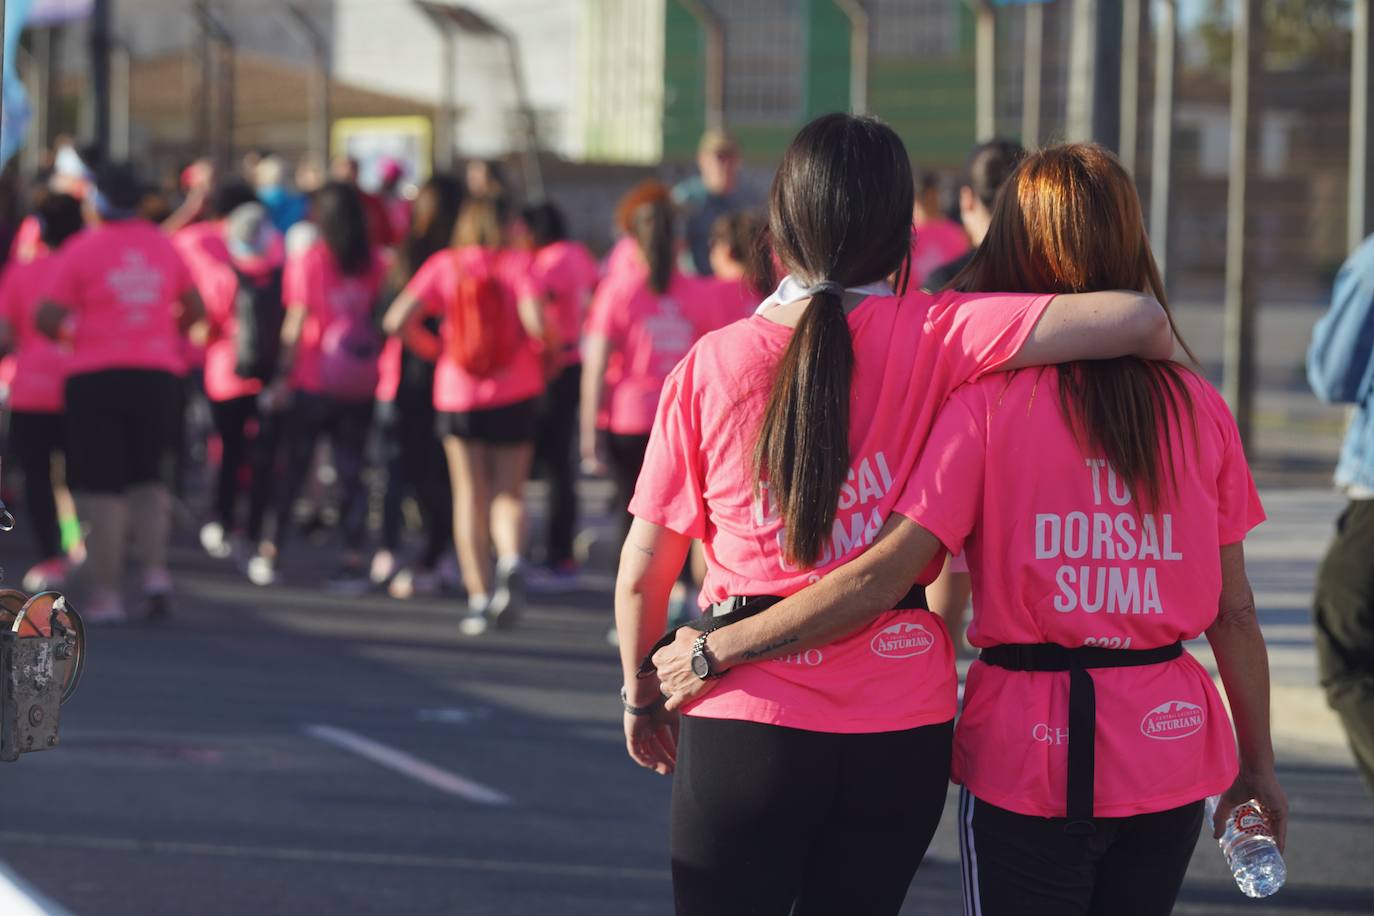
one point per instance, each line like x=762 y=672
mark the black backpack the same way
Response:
x=260 y=312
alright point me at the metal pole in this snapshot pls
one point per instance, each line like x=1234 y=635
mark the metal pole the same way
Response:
x=1082 y=51
x=985 y=69
x=714 y=27
x=1161 y=155
x=1238 y=354
x=444 y=153
x=534 y=175
x=121 y=115
x=1361 y=217
x=859 y=46
x=1130 y=83
x=1031 y=80
x=319 y=80
x=100 y=70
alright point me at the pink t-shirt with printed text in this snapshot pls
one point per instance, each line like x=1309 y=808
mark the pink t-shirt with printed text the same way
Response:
x=39 y=370
x=934 y=244
x=1061 y=551
x=650 y=333
x=313 y=279
x=910 y=353
x=122 y=283
x=435 y=285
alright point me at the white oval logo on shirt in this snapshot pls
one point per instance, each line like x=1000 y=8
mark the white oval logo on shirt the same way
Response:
x=1172 y=720
x=903 y=640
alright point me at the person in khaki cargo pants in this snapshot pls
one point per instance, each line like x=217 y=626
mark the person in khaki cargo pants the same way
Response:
x=1340 y=369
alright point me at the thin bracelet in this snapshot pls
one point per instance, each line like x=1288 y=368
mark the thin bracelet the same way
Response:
x=639 y=710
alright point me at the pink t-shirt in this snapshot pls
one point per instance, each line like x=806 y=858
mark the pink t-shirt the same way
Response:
x=203 y=250
x=313 y=279
x=435 y=285
x=650 y=333
x=567 y=273
x=28 y=242
x=1061 y=552
x=40 y=364
x=935 y=244
x=121 y=282
x=219 y=287
x=910 y=353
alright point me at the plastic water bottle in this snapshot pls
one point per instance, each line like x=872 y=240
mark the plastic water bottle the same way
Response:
x=1250 y=850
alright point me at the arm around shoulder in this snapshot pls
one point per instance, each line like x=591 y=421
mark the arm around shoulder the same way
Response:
x=1101 y=325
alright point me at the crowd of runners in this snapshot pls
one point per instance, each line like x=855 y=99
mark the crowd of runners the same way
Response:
x=833 y=414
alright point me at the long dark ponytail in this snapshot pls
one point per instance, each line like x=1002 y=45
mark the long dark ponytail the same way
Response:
x=839 y=214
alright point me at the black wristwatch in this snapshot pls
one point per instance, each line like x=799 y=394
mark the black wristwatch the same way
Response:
x=702 y=666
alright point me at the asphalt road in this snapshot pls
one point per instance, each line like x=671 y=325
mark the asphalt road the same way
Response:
x=286 y=752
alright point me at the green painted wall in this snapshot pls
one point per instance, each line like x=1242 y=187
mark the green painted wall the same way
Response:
x=684 y=82
x=929 y=102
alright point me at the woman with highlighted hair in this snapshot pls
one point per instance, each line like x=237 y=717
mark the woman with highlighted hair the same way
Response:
x=1102 y=506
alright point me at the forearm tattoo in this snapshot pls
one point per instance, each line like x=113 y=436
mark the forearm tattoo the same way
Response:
x=771 y=647
x=647 y=551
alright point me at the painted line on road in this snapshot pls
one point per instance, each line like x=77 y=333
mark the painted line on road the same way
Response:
x=19 y=898
x=325 y=856
x=407 y=765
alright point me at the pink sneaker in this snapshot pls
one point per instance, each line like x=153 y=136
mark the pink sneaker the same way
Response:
x=51 y=573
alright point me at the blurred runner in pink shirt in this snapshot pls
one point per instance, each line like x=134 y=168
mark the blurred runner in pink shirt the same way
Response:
x=244 y=310
x=937 y=239
x=567 y=273
x=495 y=355
x=647 y=320
x=122 y=297
x=36 y=401
x=327 y=375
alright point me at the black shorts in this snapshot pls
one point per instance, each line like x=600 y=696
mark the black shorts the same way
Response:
x=122 y=427
x=510 y=424
x=1022 y=865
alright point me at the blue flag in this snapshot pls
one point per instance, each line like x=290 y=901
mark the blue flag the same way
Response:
x=15 y=110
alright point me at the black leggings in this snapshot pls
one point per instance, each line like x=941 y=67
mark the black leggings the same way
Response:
x=626 y=458
x=231 y=419
x=36 y=437
x=1021 y=865
x=769 y=821
x=553 y=450
x=415 y=463
x=310 y=417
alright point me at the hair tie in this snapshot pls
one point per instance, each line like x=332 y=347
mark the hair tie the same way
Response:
x=832 y=287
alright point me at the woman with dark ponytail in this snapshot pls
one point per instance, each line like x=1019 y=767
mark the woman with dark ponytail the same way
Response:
x=641 y=323
x=813 y=783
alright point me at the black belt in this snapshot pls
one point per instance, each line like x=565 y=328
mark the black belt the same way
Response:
x=737 y=608
x=1082 y=704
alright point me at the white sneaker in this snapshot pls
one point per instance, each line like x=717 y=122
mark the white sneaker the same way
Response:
x=508 y=599
x=383 y=567
x=408 y=584
x=215 y=542
x=262 y=571
x=476 y=622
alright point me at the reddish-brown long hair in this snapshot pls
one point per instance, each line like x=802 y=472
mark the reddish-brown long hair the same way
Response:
x=1068 y=220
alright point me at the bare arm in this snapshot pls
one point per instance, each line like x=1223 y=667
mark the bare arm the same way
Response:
x=649 y=565
x=192 y=312
x=1097 y=326
x=596 y=354
x=840 y=603
x=291 y=326
x=949 y=596
x=399 y=313
x=532 y=317
x=1243 y=663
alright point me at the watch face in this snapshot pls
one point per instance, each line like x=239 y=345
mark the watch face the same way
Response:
x=701 y=667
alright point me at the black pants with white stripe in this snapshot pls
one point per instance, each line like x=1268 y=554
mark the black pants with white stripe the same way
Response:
x=1021 y=865
x=770 y=821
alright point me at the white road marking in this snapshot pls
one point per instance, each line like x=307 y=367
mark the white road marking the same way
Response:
x=19 y=898
x=406 y=765
x=142 y=846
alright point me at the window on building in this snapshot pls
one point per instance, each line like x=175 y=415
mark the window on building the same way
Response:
x=922 y=28
x=764 y=59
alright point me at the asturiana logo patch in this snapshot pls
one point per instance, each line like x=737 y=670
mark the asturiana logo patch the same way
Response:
x=903 y=640
x=1172 y=720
